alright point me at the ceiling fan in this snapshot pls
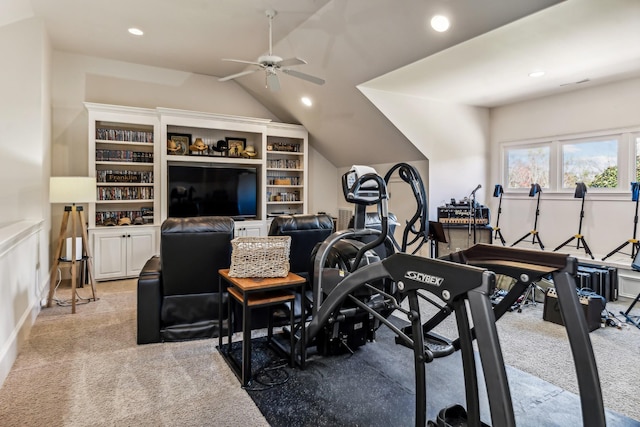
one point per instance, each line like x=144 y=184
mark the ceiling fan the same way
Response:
x=273 y=64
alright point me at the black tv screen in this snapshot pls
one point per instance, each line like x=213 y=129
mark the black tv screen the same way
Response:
x=212 y=190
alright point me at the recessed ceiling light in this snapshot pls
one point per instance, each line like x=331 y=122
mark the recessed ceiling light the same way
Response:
x=440 y=23
x=306 y=101
x=536 y=74
x=136 y=31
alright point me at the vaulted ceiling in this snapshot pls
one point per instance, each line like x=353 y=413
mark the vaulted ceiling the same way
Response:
x=386 y=44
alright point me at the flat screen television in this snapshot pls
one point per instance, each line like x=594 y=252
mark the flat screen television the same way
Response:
x=212 y=190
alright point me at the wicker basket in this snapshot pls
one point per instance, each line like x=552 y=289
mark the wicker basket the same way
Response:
x=260 y=256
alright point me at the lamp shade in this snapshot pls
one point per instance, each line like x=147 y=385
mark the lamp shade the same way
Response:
x=72 y=189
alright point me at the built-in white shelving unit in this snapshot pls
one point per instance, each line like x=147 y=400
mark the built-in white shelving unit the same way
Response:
x=131 y=150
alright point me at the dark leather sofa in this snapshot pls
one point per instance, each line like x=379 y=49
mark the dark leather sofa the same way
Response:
x=178 y=291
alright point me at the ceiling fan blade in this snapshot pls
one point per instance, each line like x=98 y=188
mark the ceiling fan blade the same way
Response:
x=241 y=61
x=273 y=82
x=240 y=74
x=304 y=76
x=290 y=62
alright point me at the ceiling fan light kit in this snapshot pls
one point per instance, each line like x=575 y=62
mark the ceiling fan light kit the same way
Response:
x=272 y=64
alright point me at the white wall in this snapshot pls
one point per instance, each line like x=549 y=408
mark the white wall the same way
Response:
x=24 y=172
x=323 y=193
x=453 y=137
x=608 y=221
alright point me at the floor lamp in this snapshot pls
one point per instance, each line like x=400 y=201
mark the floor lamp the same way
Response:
x=497 y=192
x=635 y=245
x=535 y=189
x=581 y=192
x=70 y=190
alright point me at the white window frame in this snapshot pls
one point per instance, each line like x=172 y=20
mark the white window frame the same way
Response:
x=621 y=161
x=524 y=145
x=626 y=160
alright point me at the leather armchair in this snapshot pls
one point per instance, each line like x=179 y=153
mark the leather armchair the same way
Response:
x=306 y=230
x=178 y=291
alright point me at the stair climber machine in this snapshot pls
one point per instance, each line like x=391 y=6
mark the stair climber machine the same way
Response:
x=355 y=290
x=348 y=250
x=370 y=239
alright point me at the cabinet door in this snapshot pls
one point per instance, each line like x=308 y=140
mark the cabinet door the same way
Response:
x=141 y=246
x=249 y=230
x=109 y=252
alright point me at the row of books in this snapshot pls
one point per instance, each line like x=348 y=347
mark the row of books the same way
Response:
x=284 y=180
x=284 y=163
x=124 y=156
x=125 y=193
x=124 y=135
x=112 y=217
x=284 y=146
x=285 y=196
x=145 y=177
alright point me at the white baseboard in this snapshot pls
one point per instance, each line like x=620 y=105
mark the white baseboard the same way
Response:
x=11 y=348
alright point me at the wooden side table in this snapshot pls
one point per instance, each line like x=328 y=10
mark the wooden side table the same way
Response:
x=254 y=293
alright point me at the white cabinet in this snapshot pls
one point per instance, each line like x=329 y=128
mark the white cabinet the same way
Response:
x=249 y=229
x=123 y=156
x=218 y=191
x=134 y=151
x=122 y=251
x=279 y=155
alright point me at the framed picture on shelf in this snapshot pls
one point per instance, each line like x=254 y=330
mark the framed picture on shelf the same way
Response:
x=178 y=143
x=235 y=146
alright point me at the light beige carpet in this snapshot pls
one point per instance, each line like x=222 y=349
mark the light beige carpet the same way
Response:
x=87 y=370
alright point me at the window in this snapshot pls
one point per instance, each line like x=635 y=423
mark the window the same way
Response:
x=593 y=162
x=605 y=162
x=527 y=166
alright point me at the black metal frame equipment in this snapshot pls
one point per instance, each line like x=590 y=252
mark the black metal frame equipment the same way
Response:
x=635 y=244
x=580 y=193
x=535 y=189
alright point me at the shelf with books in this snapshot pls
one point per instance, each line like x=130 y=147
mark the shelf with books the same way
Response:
x=122 y=157
x=286 y=170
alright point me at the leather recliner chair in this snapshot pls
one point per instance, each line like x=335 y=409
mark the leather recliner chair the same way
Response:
x=306 y=231
x=178 y=292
